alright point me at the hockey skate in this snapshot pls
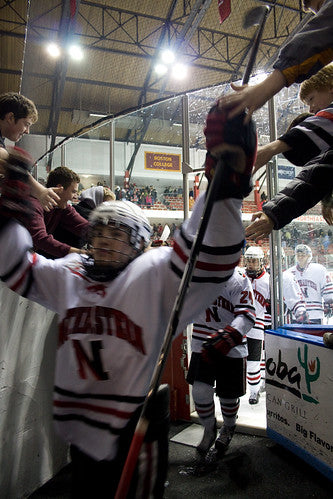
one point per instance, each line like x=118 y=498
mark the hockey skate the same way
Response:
x=262 y=386
x=221 y=445
x=223 y=440
x=254 y=398
x=207 y=440
x=328 y=339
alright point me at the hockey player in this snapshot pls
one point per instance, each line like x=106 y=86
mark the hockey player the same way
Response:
x=255 y=270
x=314 y=281
x=114 y=305
x=233 y=310
x=292 y=294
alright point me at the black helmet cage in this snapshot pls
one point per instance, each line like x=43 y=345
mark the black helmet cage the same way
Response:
x=254 y=252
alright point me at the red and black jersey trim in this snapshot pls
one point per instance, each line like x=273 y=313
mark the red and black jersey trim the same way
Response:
x=99 y=396
x=211 y=278
x=88 y=421
x=26 y=274
x=214 y=250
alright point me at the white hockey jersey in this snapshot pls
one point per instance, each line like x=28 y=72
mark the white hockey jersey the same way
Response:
x=110 y=333
x=261 y=294
x=234 y=307
x=316 y=286
x=292 y=295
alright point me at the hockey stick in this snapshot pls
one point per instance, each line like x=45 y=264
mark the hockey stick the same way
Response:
x=256 y=16
x=143 y=422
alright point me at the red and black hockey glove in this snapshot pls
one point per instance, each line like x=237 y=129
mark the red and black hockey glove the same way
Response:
x=328 y=309
x=224 y=137
x=15 y=188
x=220 y=344
x=302 y=317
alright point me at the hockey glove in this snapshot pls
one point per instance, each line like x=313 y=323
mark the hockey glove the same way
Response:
x=268 y=307
x=302 y=317
x=236 y=144
x=220 y=344
x=15 y=189
x=328 y=309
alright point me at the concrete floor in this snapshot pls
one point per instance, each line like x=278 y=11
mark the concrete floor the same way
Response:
x=253 y=467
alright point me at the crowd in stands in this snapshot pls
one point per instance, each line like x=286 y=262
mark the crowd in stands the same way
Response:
x=319 y=239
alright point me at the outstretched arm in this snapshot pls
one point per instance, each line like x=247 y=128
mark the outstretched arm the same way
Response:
x=266 y=152
x=250 y=98
x=48 y=197
x=260 y=227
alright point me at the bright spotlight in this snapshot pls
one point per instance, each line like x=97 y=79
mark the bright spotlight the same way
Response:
x=179 y=71
x=160 y=69
x=75 y=52
x=168 y=56
x=53 y=50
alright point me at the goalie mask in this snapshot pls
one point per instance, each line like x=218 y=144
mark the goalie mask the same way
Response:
x=303 y=255
x=119 y=232
x=254 y=261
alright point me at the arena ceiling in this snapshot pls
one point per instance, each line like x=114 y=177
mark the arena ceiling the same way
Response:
x=121 y=40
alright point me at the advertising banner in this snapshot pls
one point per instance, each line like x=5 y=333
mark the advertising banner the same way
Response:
x=286 y=172
x=299 y=395
x=162 y=161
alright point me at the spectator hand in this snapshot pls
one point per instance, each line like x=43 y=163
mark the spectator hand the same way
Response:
x=48 y=197
x=249 y=98
x=260 y=227
x=245 y=99
x=327 y=212
x=220 y=344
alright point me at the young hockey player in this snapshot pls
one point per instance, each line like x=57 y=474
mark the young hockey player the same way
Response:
x=314 y=281
x=233 y=310
x=255 y=270
x=114 y=305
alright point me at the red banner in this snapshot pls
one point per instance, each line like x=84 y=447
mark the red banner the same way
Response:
x=224 y=9
x=162 y=161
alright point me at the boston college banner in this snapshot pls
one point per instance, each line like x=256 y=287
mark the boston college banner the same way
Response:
x=162 y=161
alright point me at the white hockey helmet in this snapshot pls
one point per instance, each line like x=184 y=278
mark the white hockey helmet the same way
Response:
x=114 y=257
x=303 y=250
x=254 y=261
x=127 y=214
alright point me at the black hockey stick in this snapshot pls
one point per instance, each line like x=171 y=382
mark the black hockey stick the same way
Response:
x=143 y=422
x=253 y=17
